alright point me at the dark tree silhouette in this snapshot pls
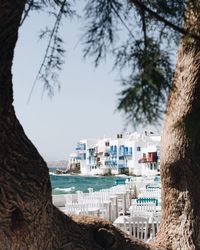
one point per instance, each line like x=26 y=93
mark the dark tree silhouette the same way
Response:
x=28 y=219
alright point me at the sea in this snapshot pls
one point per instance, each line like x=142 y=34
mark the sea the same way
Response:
x=68 y=184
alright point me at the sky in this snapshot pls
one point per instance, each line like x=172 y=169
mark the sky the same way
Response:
x=84 y=107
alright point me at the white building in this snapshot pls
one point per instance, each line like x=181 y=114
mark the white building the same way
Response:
x=136 y=153
x=150 y=156
x=85 y=154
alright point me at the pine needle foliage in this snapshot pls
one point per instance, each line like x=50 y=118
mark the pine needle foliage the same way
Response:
x=146 y=88
x=54 y=55
x=140 y=36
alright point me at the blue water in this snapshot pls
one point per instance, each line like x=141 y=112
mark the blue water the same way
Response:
x=66 y=184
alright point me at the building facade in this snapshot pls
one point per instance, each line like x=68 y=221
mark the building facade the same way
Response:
x=133 y=153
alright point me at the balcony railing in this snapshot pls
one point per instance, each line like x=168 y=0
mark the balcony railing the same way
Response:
x=110 y=163
x=113 y=152
x=142 y=160
x=150 y=157
x=121 y=166
x=146 y=160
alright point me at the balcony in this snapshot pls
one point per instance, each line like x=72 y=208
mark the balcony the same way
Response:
x=80 y=147
x=121 y=166
x=142 y=160
x=129 y=153
x=113 y=153
x=110 y=163
x=78 y=158
x=125 y=151
x=149 y=158
x=113 y=150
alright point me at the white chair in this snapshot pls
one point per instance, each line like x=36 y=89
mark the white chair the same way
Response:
x=142 y=213
x=155 y=225
x=137 y=227
x=114 y=207
x=72 y=209
x=106 y=210
x=145 y=207
x=59 y=200
x=90 y=190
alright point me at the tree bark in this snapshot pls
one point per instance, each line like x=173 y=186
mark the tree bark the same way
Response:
x=25 y=191
x=28 y=219
x=10 y=16
x=180 y=146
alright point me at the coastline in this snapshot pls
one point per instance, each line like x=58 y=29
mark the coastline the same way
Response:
x=66 y=183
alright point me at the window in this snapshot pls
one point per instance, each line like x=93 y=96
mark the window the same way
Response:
x=107 y=143
x=138 y=149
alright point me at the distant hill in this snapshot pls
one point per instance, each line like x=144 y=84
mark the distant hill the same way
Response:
x=58 y=164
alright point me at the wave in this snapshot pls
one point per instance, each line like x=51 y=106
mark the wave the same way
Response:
x=52 y=173
x=66 y=190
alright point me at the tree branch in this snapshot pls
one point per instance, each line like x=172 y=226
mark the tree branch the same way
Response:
x=144 y=28
x=49 y=46
x=155 y=15
x=123 y=22
x=26 y=12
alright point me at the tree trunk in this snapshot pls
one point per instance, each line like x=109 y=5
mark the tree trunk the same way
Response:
x=28 y=219
x=25 y=186
x=180 y=151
